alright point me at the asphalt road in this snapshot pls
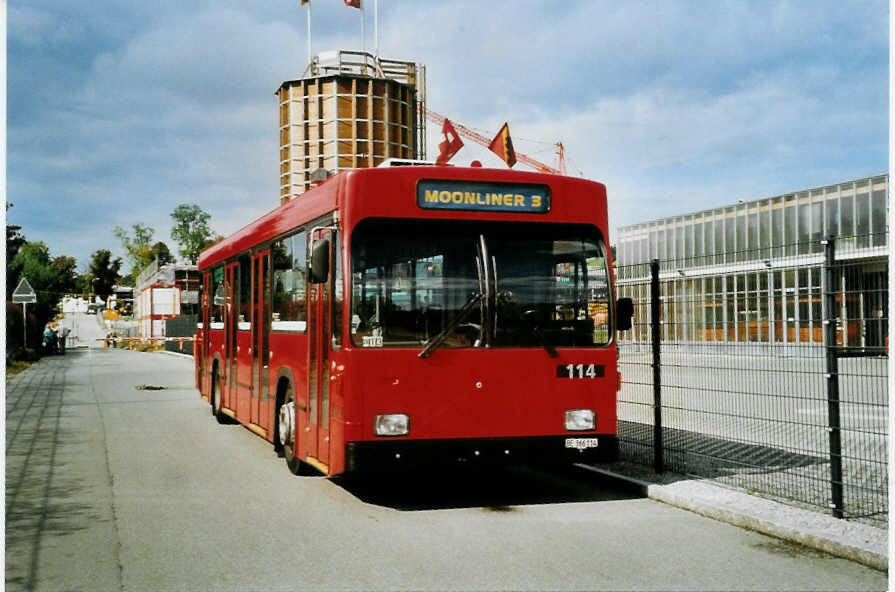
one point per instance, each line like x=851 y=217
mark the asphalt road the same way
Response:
x=85 y=330
x=111 y=487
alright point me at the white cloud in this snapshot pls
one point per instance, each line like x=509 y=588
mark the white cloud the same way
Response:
x=674 y=106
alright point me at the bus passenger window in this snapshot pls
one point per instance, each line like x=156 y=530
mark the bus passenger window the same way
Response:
x=219 y=296
x=289 y=262
x=338 y=292
x=245 y=292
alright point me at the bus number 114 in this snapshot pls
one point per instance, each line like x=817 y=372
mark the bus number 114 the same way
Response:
x=580 y=371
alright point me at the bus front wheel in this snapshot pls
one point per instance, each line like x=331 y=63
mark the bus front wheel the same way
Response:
x=286 y=432
x=216 y=397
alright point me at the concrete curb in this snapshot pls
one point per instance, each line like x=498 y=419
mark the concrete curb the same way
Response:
x=178 y=354
x=857 y=542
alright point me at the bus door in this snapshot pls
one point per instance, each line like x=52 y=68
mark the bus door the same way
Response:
x=244 y=341
x=319 y=320
x=231 y=325
x=260 y=338
x=202 y=354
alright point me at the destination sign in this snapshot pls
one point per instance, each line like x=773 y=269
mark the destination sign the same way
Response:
x=486 y=197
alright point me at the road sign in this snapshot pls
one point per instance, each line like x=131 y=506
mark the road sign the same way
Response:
x=24 y=293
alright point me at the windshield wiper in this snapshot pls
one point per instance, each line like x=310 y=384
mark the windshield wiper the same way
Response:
x=462 y=314
x=529 y=318
x=545 y=343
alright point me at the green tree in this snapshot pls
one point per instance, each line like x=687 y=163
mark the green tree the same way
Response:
x=191 y=230
x=138 y=247
x=162 y=253
x=32 y=261
x=103 y=272
x=65 y=269
x=14 y=242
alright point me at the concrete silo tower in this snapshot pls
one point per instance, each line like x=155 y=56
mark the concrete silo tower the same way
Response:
x=351 y=110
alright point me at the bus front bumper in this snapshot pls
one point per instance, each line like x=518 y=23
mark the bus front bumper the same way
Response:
x=398 y=455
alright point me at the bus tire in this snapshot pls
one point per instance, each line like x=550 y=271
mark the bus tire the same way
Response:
x=216 y=397
x=285 y=436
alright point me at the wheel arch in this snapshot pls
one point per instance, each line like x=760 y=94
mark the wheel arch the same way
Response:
x=285 y=379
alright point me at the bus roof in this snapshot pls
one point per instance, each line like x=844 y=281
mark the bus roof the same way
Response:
x=395 y=191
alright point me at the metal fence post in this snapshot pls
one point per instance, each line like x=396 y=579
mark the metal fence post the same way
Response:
x=832 y=376
x=655 y=304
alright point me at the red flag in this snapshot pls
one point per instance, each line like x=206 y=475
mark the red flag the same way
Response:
x=451 y=145
x=353 y=3
x=502 y=146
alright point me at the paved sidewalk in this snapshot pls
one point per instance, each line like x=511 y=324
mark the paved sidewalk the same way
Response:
x=53 y=510
x=852 y=540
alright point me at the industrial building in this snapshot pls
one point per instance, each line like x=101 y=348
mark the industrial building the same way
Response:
x=164 y=292
x=751 y=271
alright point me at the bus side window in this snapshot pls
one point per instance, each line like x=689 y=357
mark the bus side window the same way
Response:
x=597 y=297
x=219 y=297
x=290 y=282
x=338 y=291
x=245 y=289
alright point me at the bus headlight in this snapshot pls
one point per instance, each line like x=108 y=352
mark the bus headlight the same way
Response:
x=392 y=424
x=580 y=419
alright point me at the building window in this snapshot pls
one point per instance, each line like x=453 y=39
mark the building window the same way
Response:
x=765 y=229
x=878 y=213
x=688 y=242
x=679 y=243
x=817 y=222
x=718 y=246
x=752 y=238
x=698 y=244
x=791 y=230
x=741 y=234
x=831 y=206
x=804 y=217
x=730 y=246
x=847 y=215
x=862 y=215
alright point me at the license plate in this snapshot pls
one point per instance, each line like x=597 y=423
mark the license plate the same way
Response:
x=582 y=443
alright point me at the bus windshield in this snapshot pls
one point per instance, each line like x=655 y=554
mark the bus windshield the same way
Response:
x=478 y=284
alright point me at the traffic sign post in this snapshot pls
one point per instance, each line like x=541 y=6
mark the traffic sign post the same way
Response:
x=24 y=294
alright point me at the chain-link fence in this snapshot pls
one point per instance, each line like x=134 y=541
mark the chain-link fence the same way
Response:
x=769 y=375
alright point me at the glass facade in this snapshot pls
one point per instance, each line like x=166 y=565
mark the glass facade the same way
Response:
x=752 y=271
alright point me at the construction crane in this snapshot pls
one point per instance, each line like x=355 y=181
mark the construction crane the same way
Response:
x=486 y=142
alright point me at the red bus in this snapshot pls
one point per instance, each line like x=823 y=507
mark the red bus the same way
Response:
x=392 y=317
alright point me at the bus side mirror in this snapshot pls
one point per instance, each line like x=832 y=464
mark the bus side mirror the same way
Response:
x=319 y=271
x=624 y=313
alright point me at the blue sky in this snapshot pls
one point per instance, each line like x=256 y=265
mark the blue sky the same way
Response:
x=120 y=111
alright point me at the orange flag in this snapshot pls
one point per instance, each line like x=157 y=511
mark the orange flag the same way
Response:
x=502 y=146
x=353 y=3
x=451 y=145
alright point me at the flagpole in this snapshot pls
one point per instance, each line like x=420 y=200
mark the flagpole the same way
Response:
x=363 y=28
x=376 y=25
x=309 y=34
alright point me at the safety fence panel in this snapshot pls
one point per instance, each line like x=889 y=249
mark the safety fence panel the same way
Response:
x=182 y=326
x=769 y=376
